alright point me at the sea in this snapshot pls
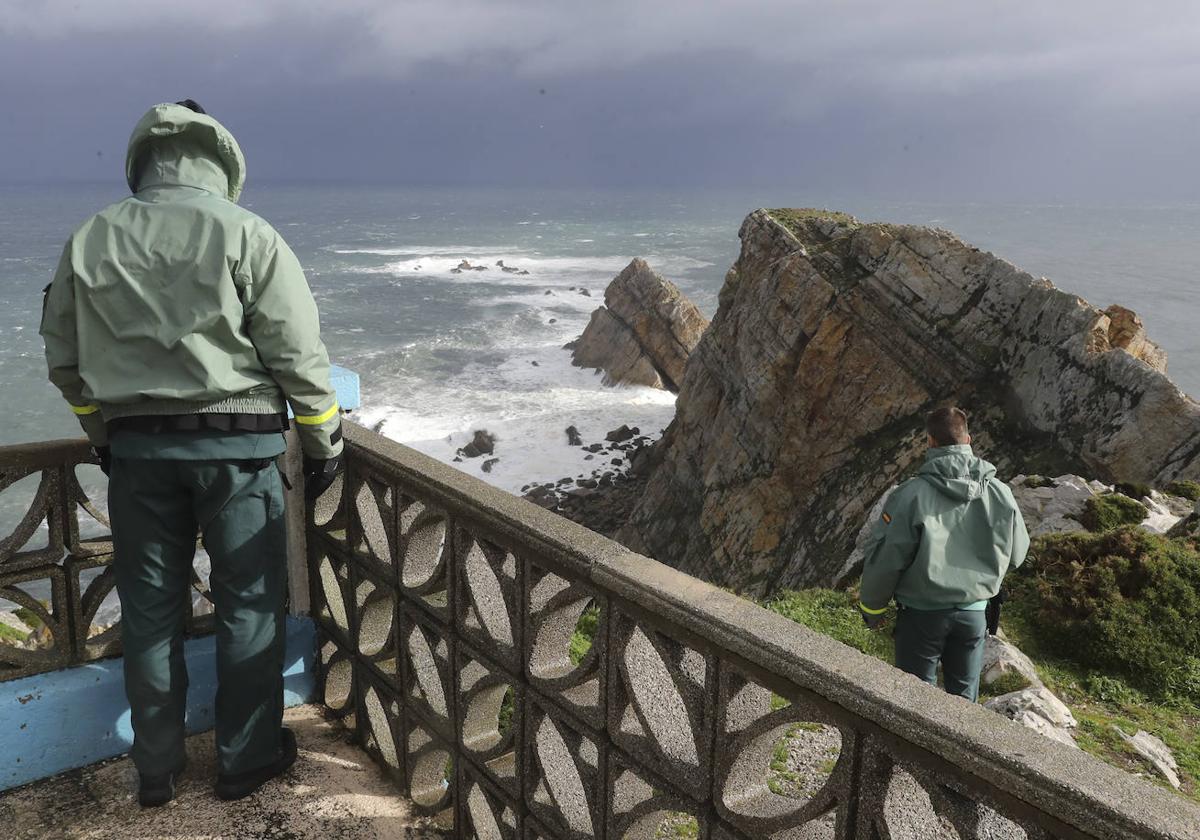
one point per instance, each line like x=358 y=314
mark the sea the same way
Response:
x=442 y=353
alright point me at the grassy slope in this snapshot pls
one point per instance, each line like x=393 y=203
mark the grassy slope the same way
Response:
x=1097 y=701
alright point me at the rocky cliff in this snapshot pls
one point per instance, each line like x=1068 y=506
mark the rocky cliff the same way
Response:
x=643 y=334
x=805 y=399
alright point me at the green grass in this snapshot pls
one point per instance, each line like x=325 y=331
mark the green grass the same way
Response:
x=585 y=631
x=1004 y=684
x=1187 y=489
x=11 y=634
x=1097 y=699
x=794 y=218
x=834 y=614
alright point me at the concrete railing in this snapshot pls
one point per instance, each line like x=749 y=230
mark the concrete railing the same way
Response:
x=446 y=614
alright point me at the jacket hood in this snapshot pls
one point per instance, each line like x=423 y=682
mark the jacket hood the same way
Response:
x=956 y=472
x=172 y=144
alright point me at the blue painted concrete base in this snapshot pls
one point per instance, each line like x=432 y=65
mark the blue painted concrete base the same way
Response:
x=78 y=716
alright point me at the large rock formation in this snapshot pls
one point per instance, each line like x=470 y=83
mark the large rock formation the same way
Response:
x=804 y=401
x=644 y=333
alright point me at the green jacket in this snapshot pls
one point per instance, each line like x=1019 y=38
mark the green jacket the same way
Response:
x=946 y=537
x=177 y=301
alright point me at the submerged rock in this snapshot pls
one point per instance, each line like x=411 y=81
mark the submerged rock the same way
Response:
x=482 y=442
x=643 y=334
x=805 y=398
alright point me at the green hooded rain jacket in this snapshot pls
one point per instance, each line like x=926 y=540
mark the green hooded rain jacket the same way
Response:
x=946 y=537
x=177 y=301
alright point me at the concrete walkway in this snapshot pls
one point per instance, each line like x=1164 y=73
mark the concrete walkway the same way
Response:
x=334 y=791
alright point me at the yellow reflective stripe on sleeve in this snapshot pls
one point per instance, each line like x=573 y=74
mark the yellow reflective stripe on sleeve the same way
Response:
x=317 y=419
x=83 y=410
x=870 y=611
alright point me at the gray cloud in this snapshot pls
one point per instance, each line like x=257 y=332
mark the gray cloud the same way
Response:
x=984 y=98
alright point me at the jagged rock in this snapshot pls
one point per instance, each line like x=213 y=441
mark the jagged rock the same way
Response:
x=854 y=562
x=805 y=398
x=1189 y=526
x=1163 y=515
x=1037 y=708
x=573 y=438
x=1001 y=658
x=1126 y=331
x=643 y=334
x=620 y=435
x=489 y=463
x=1154 y=751
x=1053 y=505
x=482 y=442
x=1043 y=727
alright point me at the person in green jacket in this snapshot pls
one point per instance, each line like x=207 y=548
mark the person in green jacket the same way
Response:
x=940 y=549
x=180 y=328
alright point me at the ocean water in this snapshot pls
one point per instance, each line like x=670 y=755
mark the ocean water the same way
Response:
x=442 y=353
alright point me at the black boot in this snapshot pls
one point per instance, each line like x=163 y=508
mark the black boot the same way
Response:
x=158 y=790
x=238 y=785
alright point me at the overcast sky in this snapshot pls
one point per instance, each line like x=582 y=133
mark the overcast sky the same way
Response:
x=1073 y=100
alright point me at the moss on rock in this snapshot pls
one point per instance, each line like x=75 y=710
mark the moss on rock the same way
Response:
x=796 y=219
x=1112 y=510
x=1189 y=490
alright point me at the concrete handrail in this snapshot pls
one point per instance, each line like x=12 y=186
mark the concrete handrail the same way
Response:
x=671 y=709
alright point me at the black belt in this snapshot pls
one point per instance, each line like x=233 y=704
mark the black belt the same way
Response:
x=160 y=424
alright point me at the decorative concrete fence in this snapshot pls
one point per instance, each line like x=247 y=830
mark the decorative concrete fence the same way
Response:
x=447 y=614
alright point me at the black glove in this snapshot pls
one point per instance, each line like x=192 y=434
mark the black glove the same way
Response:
x=319 y=475
x=992 y=613
x=103 y=455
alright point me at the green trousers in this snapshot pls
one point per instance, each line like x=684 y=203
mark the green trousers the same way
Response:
x=953 y=637
x=157 y=507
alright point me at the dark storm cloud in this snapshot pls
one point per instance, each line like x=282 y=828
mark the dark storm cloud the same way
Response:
x=1082 y=99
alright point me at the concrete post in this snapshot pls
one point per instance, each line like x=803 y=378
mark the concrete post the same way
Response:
x=297 y=542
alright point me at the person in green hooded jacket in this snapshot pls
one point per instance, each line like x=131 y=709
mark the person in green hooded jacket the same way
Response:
x=179 y=327
x=940 y=549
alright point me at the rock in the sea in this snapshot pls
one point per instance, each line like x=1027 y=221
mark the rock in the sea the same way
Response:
x=482 y=442
x=1154 y=751
x=643 y=334
x=620 y=434
x=489 y=463
x=805 y=398
x=573 y=437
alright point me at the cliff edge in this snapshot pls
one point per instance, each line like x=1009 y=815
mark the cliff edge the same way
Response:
x=804 y=400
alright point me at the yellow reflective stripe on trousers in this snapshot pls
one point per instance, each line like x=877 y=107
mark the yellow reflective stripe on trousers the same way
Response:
x=870 y=611
x=317 y=419
x=84 y=410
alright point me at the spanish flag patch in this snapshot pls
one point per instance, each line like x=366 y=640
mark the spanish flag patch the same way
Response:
x=887 y=520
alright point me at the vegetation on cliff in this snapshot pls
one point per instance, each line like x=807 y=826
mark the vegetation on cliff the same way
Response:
x=1103 y=513
x=1123 y=602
